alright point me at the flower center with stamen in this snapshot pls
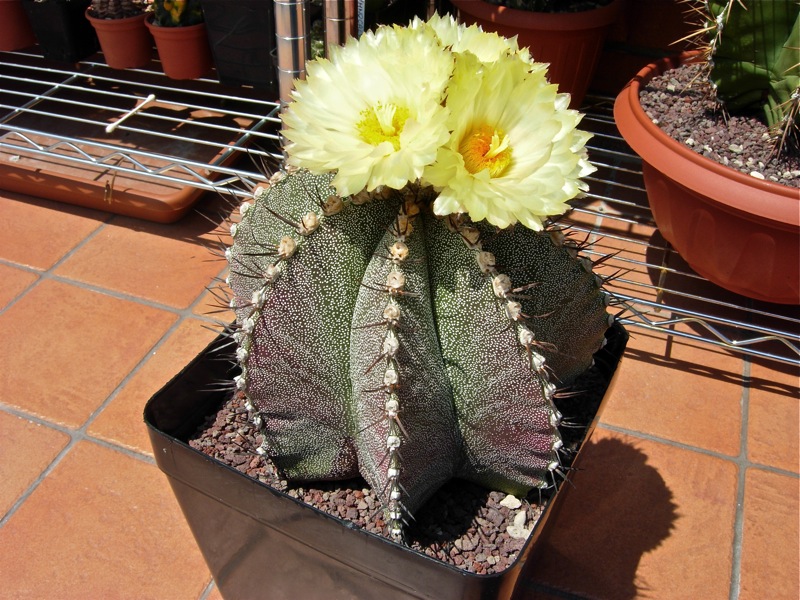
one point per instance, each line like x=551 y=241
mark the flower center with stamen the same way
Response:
x=486 y=148
x=383 y=123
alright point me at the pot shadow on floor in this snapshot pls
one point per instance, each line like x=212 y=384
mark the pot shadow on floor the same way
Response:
x=618 y=508
x=720 y=311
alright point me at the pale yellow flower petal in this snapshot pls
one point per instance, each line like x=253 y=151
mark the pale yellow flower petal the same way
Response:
x=514 y=155
x=370 y=113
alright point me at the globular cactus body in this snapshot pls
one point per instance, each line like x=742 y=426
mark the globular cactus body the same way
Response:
x=379 y=339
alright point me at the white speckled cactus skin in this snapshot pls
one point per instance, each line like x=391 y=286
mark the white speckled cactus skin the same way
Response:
x=377 y=339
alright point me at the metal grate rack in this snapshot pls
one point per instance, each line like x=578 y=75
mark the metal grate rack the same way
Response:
x=53 y=111
x=655 y=290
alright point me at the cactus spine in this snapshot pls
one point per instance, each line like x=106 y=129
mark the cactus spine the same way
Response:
x=377 y=338
x=752 y=51
x=116 y=9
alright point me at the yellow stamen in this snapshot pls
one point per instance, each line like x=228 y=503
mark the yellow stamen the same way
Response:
x=486 y=148
x=383 y=123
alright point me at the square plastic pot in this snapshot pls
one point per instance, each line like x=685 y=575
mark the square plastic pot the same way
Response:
x=260 y=543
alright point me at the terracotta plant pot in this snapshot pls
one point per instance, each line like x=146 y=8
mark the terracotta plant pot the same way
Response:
x=15 y=29
x=184 y=51
x=126 y=43
x=262 y=543
x=737 y=231
x=570 y=42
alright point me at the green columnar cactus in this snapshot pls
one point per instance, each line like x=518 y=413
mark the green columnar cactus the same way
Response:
x=753 y=54
x=377 y=338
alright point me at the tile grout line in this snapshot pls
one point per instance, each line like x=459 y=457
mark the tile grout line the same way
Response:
x=91 y=287
x=79 y=434
x=75 y=436
x=741 y=475
x=206 y=593
x=183 y=315
x=737 y=460
x=41 y=477
x=47 y=273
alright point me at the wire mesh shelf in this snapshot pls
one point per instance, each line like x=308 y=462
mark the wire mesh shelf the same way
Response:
x=194 y=133
x=135 y=122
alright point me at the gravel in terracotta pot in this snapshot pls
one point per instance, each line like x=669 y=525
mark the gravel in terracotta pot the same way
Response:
x=738 y=230
x=730 y=205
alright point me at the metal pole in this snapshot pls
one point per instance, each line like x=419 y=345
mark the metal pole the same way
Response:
x=341 y=21
x=293 y=37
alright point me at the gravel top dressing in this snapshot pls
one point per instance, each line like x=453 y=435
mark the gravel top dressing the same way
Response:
x=681 y=104
x=463 y=524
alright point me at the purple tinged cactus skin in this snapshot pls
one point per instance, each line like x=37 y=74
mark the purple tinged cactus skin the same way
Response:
x=297 y=364
x=377 y=338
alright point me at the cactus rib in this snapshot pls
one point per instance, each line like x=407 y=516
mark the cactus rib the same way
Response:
x=379 y=339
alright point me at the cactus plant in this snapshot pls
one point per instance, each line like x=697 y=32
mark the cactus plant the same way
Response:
x=116 y=9
x=387 y=332
x=176 y=13
x=751 y=50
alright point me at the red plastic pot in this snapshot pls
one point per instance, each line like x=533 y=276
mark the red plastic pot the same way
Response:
x=570 y=42
x=737 y=231
x=184 y=51
x=126 y=43
x=15 y=30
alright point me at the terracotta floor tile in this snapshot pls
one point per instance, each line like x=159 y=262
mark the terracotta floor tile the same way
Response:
x=113 y=530
x=27 y=449
x=15 y=281
x=214 y=305
x=679 y=390
x=71 y=348
x=775 y=377
x=773 y=433
x=169 y=264
x=644 y=519
x=121 y=421
x=772 y=428
x=770 y=549
x=38 y=233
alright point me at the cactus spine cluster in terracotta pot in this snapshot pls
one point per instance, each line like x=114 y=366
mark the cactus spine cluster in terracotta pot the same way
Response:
x=116 y=9
x=403 y=312
x=176 y=13
x=751 y=51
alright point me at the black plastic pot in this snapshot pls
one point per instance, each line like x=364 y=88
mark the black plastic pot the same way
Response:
x=242 y=36
x=61 y=28
x=261 y=543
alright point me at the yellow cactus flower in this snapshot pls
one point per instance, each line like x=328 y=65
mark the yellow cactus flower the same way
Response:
x=515 y=155
x=487 y=46
x=374 y=112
